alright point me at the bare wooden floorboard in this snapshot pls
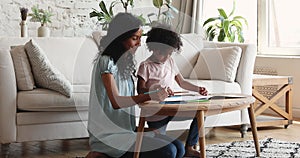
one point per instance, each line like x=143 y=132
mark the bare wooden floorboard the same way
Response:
x=78 y=148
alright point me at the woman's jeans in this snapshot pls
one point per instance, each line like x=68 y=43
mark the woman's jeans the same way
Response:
x=158 y=146
x=161 y=125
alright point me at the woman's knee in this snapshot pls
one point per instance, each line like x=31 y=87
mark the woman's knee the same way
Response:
x=180 y=148
x=170 y=151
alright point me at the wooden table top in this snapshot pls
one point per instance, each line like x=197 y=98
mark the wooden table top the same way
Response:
x=207 y=106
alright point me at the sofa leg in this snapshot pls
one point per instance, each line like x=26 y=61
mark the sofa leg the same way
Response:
x=244 y=128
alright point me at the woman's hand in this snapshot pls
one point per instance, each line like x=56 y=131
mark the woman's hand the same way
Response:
x=170 y=92
x=202 y=91
x=160 y=95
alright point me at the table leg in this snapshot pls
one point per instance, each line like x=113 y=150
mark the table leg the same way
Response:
x=200 y=120
x=139 y=137
x=254 y=129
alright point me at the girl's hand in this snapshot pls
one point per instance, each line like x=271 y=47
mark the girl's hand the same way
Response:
x=202 y=91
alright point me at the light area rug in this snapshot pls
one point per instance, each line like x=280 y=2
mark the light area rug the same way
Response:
x=269 y=148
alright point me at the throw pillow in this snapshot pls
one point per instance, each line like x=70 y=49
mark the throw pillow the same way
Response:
x=45 y=74
x=22 y=68
x=217 y=63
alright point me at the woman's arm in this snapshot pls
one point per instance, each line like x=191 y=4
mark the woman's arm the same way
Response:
x=189 y=86
x=118 y=101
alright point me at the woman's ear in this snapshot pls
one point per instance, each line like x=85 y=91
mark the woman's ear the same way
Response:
x=156 y=51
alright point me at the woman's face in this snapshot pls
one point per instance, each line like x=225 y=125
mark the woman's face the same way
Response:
x=132 y=43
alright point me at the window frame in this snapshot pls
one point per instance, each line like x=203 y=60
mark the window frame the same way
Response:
x=262 y=34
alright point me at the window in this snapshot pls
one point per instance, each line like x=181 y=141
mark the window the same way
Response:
x=278 y=27
x=245 y=8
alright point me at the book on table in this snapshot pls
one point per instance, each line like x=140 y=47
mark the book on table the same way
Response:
x=182 y=98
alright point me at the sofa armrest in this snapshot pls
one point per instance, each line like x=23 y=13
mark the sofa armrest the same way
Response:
x=8 y=96
x=246 y=67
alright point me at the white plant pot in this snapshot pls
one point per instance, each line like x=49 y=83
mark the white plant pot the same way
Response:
x=24 y=29
x=43 y=31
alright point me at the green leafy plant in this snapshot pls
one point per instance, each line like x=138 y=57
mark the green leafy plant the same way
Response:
x=165 y=16
x=126 y=3
x=227 y=28
x=40 y=15
x=106 y=14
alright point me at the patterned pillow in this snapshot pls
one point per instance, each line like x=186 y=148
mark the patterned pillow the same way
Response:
x=22 y=68
x=45 y=74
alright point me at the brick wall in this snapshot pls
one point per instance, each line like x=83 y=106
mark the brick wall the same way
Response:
x=71 y=17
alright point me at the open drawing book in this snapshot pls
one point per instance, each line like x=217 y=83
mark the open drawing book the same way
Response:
x=194 y=97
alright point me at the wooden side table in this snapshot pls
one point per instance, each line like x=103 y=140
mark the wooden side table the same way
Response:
x=285 y=90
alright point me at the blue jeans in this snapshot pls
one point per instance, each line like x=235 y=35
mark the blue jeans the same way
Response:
x=192 y=137
x=170 y=148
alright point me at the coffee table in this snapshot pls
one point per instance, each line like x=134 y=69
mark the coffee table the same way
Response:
x=198 y=110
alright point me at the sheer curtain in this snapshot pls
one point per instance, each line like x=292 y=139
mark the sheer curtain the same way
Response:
x=188 y=19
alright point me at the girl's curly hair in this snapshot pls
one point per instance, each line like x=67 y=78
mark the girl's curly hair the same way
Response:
x=162 y=37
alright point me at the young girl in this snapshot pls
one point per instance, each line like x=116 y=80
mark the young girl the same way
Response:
x=111 y=122
x=160 y=70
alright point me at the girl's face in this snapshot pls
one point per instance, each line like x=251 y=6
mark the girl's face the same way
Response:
x=161 y=56
x=132 y=43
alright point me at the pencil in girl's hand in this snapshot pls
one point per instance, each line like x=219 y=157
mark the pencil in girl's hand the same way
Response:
x=154 y=91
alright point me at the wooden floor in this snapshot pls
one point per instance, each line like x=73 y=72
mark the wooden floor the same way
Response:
x=79 y=147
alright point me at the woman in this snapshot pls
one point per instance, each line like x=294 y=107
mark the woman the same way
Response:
x=111 y=121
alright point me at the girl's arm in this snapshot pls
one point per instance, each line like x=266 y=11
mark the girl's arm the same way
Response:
x=189 y=86
x=118 y=101
x=142 y=88
x=141 y=85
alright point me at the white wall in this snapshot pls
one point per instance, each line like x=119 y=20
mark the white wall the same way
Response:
x=289 y=67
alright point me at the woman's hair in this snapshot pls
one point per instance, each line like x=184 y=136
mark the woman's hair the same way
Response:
x=122 y=27
x=162 y=37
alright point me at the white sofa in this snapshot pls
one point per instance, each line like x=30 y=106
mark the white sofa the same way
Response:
x=43 y=114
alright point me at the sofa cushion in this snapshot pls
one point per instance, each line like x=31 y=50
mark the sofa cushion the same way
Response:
x=214 y=86
x=22 y=68
x=41 y=99
x=187 y=58
x=46 y=75
x=217 y=64
x=31 y=118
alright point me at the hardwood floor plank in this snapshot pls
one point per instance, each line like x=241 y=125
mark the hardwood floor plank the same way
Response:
x=78 y=148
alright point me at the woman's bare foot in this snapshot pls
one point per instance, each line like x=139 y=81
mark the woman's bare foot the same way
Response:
x=94 y=154
x=190 y=151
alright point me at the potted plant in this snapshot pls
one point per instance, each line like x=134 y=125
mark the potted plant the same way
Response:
x=42 y=16
x=165 y=16
x=227 y=28
x=105 y=14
